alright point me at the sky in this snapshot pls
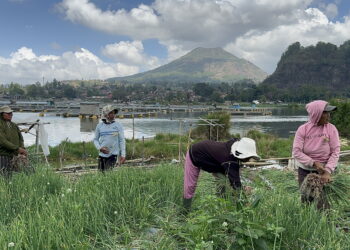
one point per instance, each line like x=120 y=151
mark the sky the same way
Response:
x=42 y=40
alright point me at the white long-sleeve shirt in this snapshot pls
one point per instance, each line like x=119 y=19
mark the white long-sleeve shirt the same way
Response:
x=111 y=136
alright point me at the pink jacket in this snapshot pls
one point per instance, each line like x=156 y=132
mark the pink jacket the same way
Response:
x=317 y=143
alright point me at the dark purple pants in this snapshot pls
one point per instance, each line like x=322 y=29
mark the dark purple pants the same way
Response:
x=106 y=163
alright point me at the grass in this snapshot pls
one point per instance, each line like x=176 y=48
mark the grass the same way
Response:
x=137 y=208
x=163 y=147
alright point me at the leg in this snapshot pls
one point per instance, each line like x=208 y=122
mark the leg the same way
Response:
x=191 y=174
x=110 y=162
x=101 y=163
x=5 y=166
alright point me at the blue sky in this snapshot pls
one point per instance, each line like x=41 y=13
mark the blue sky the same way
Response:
x=97 y=39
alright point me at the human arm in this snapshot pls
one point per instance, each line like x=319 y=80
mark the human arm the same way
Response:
x=334 y=144
x=298 y=146
x=21 y=141
x=97 y=142
x=232 y=169
x=21 y=149
x=122 y=144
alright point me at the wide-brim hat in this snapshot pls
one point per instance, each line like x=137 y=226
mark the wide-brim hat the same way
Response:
x=329 y=108
x=5 y=109
x=244 y=148
x=108 y=109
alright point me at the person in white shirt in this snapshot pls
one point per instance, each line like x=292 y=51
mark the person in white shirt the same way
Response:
x=109 y=139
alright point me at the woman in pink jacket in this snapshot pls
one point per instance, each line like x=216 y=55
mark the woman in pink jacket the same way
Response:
x=316 y=144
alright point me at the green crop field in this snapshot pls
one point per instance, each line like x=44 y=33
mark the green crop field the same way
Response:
x=134 y=208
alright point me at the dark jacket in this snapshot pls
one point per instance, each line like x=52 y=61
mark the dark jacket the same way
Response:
x=11 y=138
x=216 y=157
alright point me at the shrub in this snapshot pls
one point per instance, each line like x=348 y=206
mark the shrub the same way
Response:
x=204 y=131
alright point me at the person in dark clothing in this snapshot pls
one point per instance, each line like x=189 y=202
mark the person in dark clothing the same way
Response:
x=11 y=142
x=218 y=158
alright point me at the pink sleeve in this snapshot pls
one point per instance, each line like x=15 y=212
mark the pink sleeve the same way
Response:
x=298 y=146
x=334 y=144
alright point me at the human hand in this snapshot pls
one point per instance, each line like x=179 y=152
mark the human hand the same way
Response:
x=22 y=151
x=121 y=160
x=319 y=167
x=326 y=177
x=104 y=150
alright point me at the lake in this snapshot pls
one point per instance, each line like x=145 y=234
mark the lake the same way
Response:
x=283 y=122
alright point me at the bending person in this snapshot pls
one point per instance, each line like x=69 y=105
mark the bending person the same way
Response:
x=218 y=158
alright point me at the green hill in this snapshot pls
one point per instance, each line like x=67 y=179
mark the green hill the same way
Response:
x=200 y=65
x=304 y=73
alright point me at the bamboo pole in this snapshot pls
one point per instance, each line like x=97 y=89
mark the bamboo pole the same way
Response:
x=37 y=139
x=180 y=132
x=143 y=149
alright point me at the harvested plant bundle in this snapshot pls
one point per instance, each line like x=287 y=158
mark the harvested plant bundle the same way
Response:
x=312 y=186
x=338 y=190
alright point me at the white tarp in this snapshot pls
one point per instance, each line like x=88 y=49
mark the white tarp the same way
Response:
x=43 y=139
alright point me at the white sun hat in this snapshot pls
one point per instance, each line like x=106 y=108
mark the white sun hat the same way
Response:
x=244 y=148
x=5 y=109
x=108 y=109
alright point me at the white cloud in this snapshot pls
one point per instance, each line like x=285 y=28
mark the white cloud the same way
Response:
x=264 y=49
x=175 y=50
x=189 y=20
x=120 y=21
x=332 y=10
x=130 y=53
x=329 y=9
x=258 y=30
x=25 y=67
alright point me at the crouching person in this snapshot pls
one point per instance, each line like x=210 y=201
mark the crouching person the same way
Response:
x=218 y=158
x=109 y=139
x=11 y=143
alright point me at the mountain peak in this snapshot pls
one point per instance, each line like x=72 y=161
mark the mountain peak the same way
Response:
x=201 y=65
x=210 y=52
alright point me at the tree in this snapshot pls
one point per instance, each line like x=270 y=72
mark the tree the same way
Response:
x=69 y=91
x=120 y=94
x=341 y=118
x=15 y=89
x=35 y=90
x=203 y=89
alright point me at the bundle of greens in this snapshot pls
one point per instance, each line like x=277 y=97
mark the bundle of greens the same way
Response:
x=338 y=190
